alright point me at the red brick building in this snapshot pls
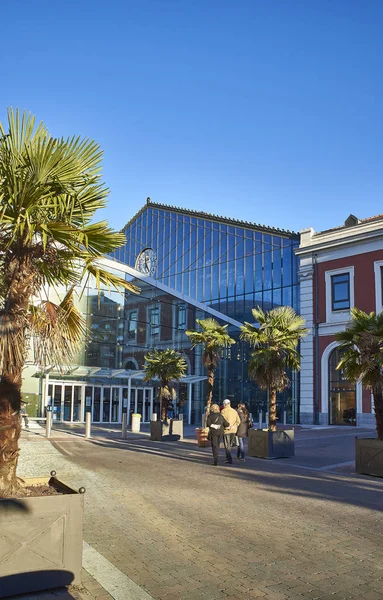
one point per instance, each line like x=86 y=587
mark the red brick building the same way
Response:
x=339 y=268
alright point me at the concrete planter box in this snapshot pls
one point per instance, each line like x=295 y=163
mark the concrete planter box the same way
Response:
x=369 y=456
x=264 y=443
x=41 y=540
x=171 y=431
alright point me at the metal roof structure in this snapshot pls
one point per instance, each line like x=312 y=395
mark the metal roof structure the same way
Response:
x=212 y=217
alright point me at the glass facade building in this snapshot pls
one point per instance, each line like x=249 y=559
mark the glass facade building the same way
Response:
x=107 y=374
x=226 y=265
x=188 y=266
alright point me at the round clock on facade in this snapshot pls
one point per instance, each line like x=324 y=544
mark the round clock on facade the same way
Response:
x=146 y=262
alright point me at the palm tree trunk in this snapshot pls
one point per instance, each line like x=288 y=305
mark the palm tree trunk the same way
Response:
x=378 y=404
x=165 y=393
x=210 y=385
x=164 y=408
x=10 y=429
x=18 y=279
x=272 y=409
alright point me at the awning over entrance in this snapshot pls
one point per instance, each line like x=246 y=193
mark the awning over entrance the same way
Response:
x=99 y=373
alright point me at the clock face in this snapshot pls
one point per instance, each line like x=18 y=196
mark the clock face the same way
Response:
x=146 y=262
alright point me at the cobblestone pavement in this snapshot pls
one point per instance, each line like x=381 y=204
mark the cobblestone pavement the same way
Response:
x=184 y=529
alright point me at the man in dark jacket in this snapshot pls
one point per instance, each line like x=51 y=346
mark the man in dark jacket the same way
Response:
x=216 y=423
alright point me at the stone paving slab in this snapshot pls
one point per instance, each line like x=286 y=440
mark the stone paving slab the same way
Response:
x=183 y=529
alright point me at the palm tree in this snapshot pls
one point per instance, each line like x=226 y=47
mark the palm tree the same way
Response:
x=275 y=339
x=213 y=338
x=50 y=189
x=361 y=345
x=168 y=366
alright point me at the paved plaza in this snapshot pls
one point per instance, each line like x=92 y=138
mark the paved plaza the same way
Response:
x=169 y=521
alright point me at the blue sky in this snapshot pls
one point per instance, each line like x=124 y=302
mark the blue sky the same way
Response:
x=264 y=110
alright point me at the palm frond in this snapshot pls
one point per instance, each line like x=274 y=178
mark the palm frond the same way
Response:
x=275 y=340
x=58 y=331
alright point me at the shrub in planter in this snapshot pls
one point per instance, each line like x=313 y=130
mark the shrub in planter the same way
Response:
x=50 y=189
x=274 y=339
x=361 y=347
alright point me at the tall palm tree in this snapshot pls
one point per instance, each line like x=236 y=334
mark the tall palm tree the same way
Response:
x=168 y=366
x=213 y=338
x=50 y=189
x=361 y=345
x=275 y=339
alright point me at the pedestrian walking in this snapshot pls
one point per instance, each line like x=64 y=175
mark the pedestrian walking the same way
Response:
x=216 y=424
x=24 y=415
x=243 y=429
x=232 y=417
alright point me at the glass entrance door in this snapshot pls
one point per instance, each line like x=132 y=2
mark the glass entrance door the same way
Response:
x=143 y=403
x=66 y=400
x=342 y=394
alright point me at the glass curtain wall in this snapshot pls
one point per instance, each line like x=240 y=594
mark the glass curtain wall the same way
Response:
x=122 y=328
x=229 y=266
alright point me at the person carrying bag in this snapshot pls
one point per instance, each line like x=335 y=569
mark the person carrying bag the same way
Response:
x=216 y=423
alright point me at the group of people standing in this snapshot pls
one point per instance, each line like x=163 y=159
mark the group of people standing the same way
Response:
x=231 y=425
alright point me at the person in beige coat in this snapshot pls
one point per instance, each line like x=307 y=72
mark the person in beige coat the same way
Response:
x=231 y=416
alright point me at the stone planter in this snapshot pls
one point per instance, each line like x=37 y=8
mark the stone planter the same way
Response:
x=170 y=431
x=369 y=456
x=264 y=443
x=41 y=540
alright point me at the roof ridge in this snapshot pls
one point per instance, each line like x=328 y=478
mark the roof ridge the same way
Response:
x=361 y=222
x=211 y=216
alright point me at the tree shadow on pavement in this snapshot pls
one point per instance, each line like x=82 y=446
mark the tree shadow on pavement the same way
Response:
x=275 y=476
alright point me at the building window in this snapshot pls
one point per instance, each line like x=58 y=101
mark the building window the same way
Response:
x=132 y=325
x=340 y=291
x=181 y=316
x=154 y=320
x=339 y=294
x=378 y=271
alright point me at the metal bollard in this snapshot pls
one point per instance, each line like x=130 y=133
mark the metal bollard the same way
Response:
x=260 y=423
x=88 y=421
x=124 y=428
x=284 y=417
x=48 y=426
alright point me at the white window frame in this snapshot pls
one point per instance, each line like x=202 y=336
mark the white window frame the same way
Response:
x=181 y=305
x=149 y=329
x=128 y=321
x=338 y=316
x=378 y=286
